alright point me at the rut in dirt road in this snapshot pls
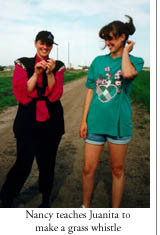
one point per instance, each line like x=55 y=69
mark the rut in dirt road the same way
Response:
x=67 y=185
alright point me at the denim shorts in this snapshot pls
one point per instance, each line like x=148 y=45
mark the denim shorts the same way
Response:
x=100 y=139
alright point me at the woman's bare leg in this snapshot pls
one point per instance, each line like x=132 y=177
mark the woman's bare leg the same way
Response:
x=91 y=158
x=117 y=154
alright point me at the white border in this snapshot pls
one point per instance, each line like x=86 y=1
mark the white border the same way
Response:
x=142 y=221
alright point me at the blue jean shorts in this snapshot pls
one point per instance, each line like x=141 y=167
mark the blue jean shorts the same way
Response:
x=99 y=139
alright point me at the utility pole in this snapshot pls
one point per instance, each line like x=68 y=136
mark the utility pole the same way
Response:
x=68 y=55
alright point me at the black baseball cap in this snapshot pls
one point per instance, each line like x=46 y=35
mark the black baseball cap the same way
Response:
x=46 y=36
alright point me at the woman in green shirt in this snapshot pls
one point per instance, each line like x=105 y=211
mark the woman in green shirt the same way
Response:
x=107 y=111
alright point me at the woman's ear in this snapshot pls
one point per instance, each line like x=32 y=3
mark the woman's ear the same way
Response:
x=123 y=37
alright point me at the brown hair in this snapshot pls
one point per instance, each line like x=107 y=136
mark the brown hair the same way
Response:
x=118 y=28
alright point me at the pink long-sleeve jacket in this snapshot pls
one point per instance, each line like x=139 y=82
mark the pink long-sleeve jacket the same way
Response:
x=24 y=97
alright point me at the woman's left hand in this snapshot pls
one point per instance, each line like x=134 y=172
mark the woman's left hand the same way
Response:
x=130 y=45
x=50 y=66
x=83 y=130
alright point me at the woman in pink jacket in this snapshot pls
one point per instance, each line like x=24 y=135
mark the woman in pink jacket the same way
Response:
x=39 y=123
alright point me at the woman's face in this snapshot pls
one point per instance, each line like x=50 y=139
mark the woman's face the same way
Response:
x=115 y=44
x=43 y=49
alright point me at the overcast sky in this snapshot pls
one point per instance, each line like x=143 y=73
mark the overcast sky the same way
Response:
x=73 y=22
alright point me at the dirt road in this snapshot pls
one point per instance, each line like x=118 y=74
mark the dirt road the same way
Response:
x=67 y=186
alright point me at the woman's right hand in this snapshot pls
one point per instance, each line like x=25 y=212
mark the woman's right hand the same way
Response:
x=40 y=67
x=83 y=130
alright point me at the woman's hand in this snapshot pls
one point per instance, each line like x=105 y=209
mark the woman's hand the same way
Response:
x=83 y=130
x=130 y=46
x=50 y=66
x=83 y=127
x=40 y=67
x=128 y=70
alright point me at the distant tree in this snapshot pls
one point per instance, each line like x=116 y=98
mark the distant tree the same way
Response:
x=83 y=66
x=2 y=68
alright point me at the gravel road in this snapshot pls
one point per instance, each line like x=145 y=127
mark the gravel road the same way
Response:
x=67 y=186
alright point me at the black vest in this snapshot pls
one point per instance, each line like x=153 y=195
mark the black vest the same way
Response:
x=25 y=123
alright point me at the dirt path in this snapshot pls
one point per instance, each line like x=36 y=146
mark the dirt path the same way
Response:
x=67 y=185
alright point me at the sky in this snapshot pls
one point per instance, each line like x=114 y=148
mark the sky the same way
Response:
x=75 y=25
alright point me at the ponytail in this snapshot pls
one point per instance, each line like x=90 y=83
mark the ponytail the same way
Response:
x=118 y=28
x=130 y=26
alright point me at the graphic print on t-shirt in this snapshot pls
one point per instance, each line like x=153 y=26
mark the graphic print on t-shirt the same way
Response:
x=108 y=87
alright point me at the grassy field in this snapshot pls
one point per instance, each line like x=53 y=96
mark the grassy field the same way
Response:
x=140 y=92
x=72 y=75
x=6 y=95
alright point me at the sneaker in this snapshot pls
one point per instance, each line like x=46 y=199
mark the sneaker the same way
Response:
x=82 y=206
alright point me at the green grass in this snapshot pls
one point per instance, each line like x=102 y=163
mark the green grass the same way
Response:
x=140 y=92
x=5 y=74
x=69 y=76
x=6 y=94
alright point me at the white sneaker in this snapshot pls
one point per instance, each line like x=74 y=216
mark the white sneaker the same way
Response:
x=82 y=206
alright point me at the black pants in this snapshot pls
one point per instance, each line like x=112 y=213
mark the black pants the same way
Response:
x=44 y=149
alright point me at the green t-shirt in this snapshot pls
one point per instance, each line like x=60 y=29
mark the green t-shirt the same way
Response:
x=110 y=110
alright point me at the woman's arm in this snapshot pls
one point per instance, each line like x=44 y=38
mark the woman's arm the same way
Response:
x=19 y=83
x=38 y=69
x=50 y=66
x=128 y=70
x=83 y=126
x=55 y=92
x=31 y=83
